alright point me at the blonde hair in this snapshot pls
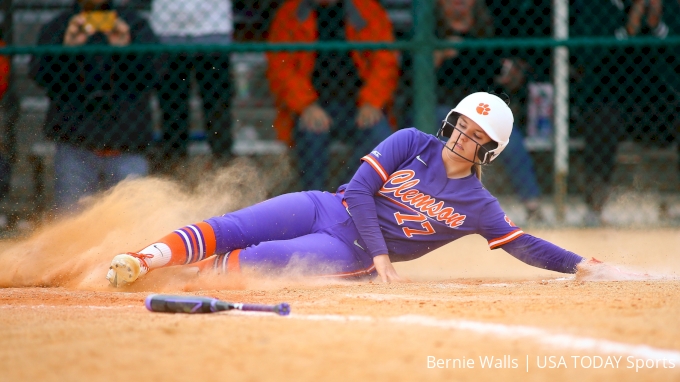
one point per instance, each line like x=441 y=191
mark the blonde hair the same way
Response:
x=477 y=168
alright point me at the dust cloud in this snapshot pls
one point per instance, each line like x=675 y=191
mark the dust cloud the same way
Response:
x=616 y=272
x=75 y=252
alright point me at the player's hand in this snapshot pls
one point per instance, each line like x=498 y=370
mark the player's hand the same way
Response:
x=315 y=119
x=596 y=270
x=120 y=34
x=77 y=31
x=386 y=270
x=368 y=116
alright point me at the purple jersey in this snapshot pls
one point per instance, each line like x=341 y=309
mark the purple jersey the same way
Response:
x=418 y=208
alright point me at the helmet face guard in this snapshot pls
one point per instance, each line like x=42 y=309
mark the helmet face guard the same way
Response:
x=484 y=153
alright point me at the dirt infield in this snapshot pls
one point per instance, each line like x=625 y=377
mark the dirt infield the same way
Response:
x=465 y=302
x=59 y=320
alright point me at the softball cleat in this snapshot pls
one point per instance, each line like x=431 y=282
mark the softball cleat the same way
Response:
x=126 y=268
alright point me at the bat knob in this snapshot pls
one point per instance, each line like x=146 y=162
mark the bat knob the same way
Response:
x=282 y=309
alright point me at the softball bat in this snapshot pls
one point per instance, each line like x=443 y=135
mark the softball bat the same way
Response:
x=193 y=305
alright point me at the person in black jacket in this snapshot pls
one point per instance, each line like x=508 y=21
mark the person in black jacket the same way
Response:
x=622 y=93
x=99 y=114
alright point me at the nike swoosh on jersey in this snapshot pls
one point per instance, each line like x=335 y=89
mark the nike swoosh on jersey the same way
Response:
x=421 y=161
x=356 y=242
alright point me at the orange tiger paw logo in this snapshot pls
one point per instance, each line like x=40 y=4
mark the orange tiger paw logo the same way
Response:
x=483 y=109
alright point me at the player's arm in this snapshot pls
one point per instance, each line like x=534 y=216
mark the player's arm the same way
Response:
x=542 y=254
x=375 y=169
x=501 y=232
x=359 y=195
x=361 y=205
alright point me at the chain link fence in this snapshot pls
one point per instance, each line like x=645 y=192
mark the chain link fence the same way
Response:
x=305 y=88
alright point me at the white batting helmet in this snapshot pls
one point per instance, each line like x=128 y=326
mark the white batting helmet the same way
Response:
x=493 y=115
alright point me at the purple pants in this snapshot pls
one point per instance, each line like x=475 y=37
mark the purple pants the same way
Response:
x=305 y=233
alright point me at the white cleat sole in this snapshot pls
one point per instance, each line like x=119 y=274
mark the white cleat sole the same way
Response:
x=124 y=269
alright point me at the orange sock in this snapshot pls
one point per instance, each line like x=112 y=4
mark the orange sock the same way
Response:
x=225 y=263
x=186 y=245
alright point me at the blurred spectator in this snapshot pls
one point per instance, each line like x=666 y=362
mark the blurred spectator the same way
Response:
x=331 y=94
x=624 y=93
x=637 y=10
x=99 y=114
x=194 y=22
x=461 y=72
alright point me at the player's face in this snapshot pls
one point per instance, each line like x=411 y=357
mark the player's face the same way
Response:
x=466 y=140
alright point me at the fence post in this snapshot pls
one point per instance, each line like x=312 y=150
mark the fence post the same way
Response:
x=561 y=107
x=423 y=66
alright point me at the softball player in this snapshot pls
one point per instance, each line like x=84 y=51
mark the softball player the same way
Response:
x=414 y=193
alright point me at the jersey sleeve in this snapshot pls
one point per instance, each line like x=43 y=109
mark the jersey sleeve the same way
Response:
x=496 y=227
x=372 y=174
x=543 y=254
x=501 y=232
x=392 y=152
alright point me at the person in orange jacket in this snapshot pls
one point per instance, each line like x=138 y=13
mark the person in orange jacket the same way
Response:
x=331 y=94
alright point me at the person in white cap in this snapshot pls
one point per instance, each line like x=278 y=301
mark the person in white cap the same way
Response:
x=413 y=193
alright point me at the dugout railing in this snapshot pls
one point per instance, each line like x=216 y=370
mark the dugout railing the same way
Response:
x=558 y=52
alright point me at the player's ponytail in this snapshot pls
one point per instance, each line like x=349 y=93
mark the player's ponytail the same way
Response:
x=477 y=169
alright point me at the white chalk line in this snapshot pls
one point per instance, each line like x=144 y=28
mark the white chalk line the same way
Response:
x=386 y=297
x=113 y=307
x=542 y=336
x=412 y=297
x=501 y=284
x=538 y=335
